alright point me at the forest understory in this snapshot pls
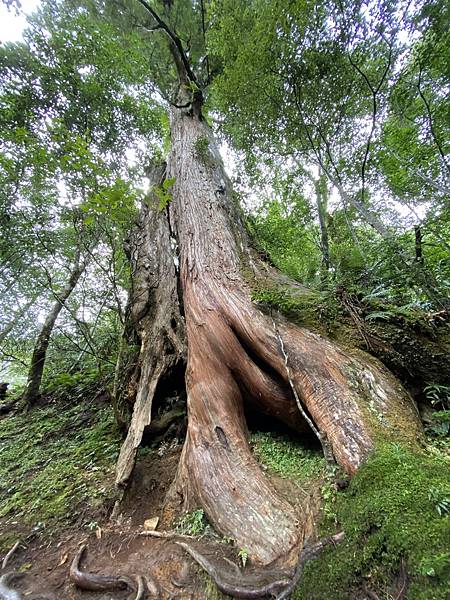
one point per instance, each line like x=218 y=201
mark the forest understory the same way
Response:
x=79 y=442
x=225 y=314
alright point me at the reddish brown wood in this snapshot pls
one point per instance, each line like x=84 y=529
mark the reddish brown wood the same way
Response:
x=234 y=357
x=237 y=356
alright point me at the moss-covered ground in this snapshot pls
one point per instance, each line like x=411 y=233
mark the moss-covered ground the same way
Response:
x=55 y=462
x=395 y=515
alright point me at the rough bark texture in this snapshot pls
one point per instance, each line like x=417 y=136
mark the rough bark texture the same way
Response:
x=40 y=349
x=155 y=315
x=235 y=357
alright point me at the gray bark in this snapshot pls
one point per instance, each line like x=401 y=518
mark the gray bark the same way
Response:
x=155 y=314
x=40 y=349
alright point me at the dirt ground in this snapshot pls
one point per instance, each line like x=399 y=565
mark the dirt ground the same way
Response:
x=119 y=548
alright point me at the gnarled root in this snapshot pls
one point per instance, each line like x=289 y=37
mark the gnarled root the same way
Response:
x=309 y=552
x=94 y=582
x=258 y=584
x=265 y=583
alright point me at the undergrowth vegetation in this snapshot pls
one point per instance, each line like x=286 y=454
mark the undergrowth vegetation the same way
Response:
x=283 y=456
x=54 y=462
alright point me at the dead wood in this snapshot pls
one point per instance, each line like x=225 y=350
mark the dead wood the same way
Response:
x=93 y=582
x=9 y=554
x=155 y=315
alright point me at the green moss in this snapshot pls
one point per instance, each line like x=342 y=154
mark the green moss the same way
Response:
x=286 y=458
x=211 y=590
x=53 y=460
x=311 y=309
x=390 y=517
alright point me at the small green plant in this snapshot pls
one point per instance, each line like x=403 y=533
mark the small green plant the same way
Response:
x=243 y=556
x=192 y=523
x=163 y=194
x=227 y=540
x=435 y=566
x=286 y=458
x=441 y=503
x=438 y=395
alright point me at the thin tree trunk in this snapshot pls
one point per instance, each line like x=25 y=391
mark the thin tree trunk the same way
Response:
x=40 y=349
x=418 y=244
x=321 y=191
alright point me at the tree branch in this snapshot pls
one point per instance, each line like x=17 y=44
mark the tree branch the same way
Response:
x=176 y=46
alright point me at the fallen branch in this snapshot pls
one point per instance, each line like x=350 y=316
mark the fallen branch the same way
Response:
x=167 y=535
x=9 y=554
x=93 y=582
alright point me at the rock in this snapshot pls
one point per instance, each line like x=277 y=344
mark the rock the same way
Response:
x=151 y=524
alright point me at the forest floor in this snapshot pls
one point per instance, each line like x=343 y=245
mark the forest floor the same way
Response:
x=57 y=492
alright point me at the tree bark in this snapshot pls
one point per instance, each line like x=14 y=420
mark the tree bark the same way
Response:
x=321 y=191
x=235 y=357
x=40 y=349
x=155 y=315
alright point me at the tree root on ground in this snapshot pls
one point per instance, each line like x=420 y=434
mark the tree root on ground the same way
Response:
x=261 y=583
x=273 y=583
x=94 y=582
x=309 y=552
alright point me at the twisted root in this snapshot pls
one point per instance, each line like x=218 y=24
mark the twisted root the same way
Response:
x=93 y=582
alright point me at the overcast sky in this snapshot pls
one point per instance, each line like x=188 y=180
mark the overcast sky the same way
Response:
x=11 y=24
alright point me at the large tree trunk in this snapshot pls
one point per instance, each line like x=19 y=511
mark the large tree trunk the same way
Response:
x=237 y=356
x=40 y=348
